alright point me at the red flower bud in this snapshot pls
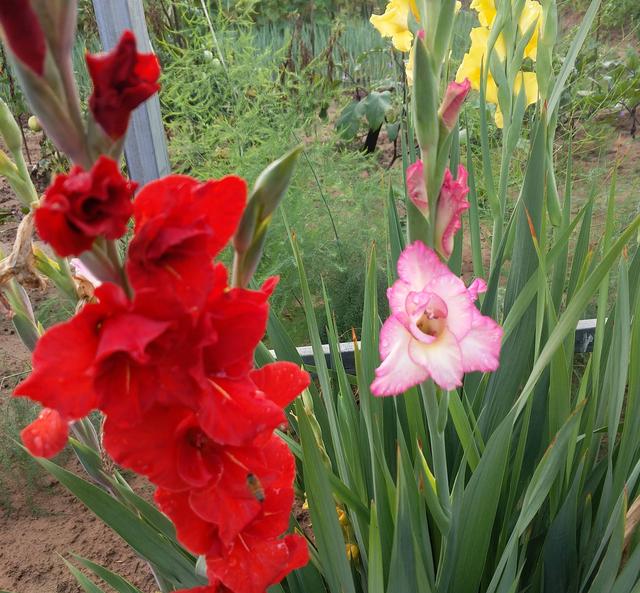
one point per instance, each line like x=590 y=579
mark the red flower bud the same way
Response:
x=83 y=205
x=23 y=33
x=47 y=435
x=452 y=103
x=122 y=80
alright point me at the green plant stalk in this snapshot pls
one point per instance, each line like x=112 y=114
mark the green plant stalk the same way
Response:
x=214 y=36
x=438 y=445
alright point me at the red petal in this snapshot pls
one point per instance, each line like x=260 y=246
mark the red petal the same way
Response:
x=226 y=509
x=222 y=203
x=47 y=435
x=235 y=412
x=150 y=447
x=239 y=318
x=197 y=535
x=253 y=566
x=63 y=370
x=122 y=80
x=159 y=197
x=281 y=382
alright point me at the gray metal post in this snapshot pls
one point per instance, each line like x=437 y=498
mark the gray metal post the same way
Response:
x=145 y=145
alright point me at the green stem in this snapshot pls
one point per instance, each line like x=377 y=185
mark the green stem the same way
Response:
x=438 y=448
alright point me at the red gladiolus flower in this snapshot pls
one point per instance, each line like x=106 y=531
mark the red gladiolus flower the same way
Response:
x=254 y=485
x=83 y=205
x=237 y=520
x=23 y=33
x=63 y=361
x=143 y=361
x=176 y=448
x=181 y=225
x=172 y=370
x=122 y=80
x=47 y=435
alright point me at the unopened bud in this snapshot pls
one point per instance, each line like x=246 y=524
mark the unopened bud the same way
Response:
x=454 y=97
x=9 y=129
x=268 y=192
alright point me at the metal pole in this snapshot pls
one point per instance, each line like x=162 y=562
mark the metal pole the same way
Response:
x=145 y=145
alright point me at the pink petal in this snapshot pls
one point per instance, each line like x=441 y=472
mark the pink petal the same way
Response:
x=451 y=204
x=442 y=359
x=398 y=372
x=477 y=287
x=418 y=265
x=417 y=188
x=453 y=292
x=481 y=346
x=397 y=296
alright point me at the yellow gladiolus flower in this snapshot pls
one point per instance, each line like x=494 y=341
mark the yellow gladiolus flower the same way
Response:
x=531 y=13
x=394 y=22
x=471 y=66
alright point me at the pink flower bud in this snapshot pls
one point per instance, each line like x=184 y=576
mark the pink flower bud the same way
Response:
x=23 y=34
x=453 y=100
x=417 y=188
x=451 y=204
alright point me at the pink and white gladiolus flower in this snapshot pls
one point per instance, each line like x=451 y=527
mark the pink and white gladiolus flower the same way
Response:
x=435 y=330
x=452 y=202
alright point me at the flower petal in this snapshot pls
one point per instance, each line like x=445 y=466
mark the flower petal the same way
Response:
x=398 y=372
x=442 y=359
x=481 y=346
x=453 y=292
x=416 y=186
x=477 y=287
x=418 y=265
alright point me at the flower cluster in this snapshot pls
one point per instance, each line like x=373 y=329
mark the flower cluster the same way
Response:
x=164 y=346
x=171 y=368
x=435 y=330
x=472 y=63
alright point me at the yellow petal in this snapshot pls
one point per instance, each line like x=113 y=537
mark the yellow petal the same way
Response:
x=491 y=93
x=531 y=13
x=394 y=23
x=414 y=9
x=409 y=67
x=499 y=117
x=470 y=68
x=486 y=10
x=530 y=86
x=403 y=41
